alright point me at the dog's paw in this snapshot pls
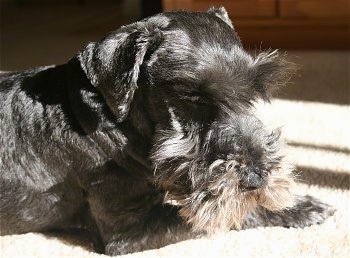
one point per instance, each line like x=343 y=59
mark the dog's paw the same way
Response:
x=306 y=212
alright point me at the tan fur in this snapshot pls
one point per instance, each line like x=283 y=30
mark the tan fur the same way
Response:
x=277 y=195
x=225 y=205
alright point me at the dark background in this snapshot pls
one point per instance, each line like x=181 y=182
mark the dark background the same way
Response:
x=44 y=32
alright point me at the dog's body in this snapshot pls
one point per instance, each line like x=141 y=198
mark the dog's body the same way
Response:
x=146 y=138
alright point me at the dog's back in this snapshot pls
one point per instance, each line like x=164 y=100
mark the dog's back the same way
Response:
x=34 y=115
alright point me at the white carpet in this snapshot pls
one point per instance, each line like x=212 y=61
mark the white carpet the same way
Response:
x=320 y=147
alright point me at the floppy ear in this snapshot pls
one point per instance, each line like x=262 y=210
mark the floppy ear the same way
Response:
x=113 y=64
x=270 y=71
x=222 y=14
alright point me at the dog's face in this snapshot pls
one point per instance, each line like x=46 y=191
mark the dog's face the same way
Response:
x=210 y=154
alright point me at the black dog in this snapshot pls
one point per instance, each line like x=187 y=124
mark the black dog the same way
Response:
x=147 y=138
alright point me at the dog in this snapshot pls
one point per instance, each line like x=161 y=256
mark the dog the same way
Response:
x=148 y=137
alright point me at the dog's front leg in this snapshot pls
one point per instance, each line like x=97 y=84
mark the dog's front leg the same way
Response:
x=160 y=227
x=129 y=212
x=306 y=212
x=135 y=229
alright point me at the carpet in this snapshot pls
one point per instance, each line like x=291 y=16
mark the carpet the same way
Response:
x=318 y=145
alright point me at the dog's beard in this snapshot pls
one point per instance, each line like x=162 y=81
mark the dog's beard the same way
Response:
x=209 y=192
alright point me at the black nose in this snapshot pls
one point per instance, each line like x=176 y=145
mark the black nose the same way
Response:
x=251 y=179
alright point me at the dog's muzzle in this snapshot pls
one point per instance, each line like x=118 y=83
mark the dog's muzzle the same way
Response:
x=251 y=179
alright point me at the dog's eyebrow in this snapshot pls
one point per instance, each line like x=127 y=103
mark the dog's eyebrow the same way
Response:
x=188 y=85
x=185 y=89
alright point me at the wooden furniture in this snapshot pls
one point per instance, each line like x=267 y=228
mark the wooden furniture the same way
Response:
x=307 y=24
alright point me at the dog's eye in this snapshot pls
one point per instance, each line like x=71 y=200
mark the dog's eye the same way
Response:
x=196 y=99
x=192 y=98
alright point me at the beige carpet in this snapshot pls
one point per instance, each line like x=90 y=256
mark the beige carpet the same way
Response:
x=319 y=146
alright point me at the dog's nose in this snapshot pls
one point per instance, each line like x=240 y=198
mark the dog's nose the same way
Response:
x=251 y=179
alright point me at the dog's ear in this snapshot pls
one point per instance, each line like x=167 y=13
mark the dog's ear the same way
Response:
x=113 y=64
x=270 y=71
x=222 y=14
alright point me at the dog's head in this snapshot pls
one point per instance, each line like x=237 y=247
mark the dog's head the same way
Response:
x=191 y=58
x=219 y=173
x=209 y=153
